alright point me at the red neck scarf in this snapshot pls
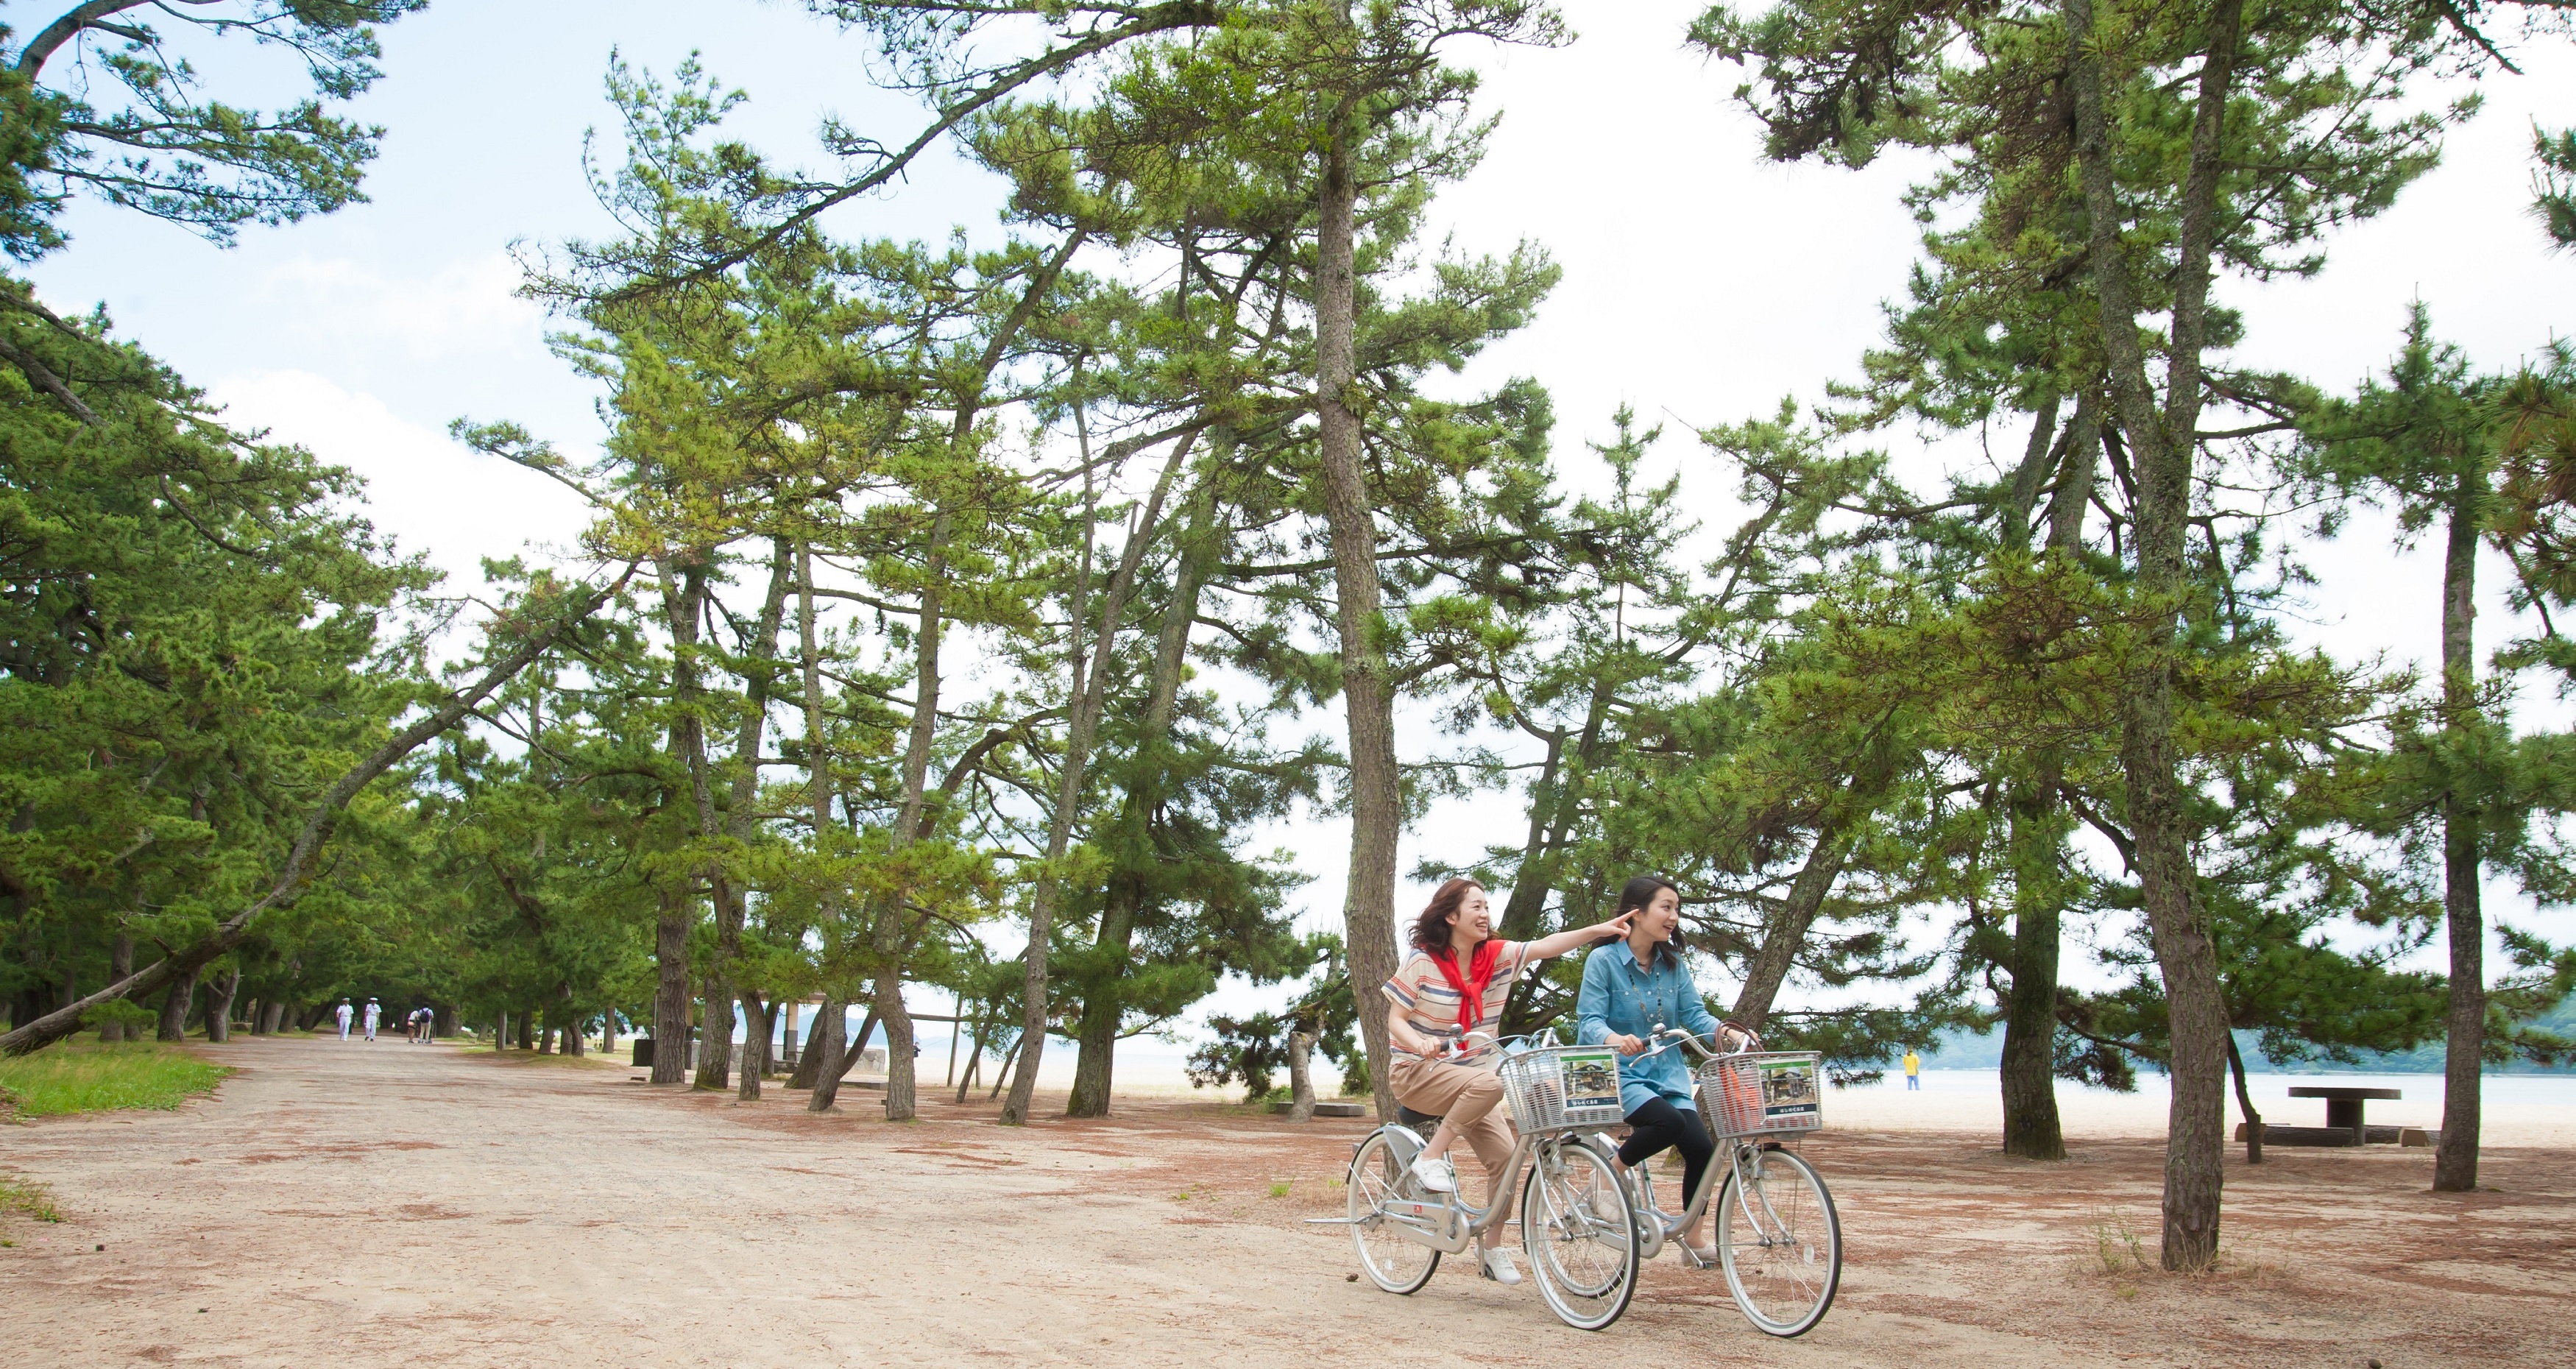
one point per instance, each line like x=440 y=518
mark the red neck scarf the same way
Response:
x=1471 y=989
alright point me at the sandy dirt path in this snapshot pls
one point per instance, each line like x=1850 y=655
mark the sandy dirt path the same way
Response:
x=354 y=1204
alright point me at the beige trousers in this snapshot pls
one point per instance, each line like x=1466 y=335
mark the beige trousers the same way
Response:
x=1468 y=1096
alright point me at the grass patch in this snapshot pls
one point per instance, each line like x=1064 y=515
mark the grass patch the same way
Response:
x=19 y=1195
x=2116 y=1245
x=86 y=1076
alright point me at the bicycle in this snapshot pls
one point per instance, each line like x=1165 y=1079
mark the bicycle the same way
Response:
x=1779 y=1240
x=1579 y=1227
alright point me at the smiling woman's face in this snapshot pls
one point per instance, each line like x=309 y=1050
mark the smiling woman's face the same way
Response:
x=1474 y=920
x=1660 y=919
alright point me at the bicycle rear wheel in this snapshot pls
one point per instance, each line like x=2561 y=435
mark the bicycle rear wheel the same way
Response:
x=1579 y=1228
x=1394 y=1260
x=1779 y=1241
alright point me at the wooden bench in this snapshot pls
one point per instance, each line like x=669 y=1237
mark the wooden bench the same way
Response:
x=2274 y=1134
x=1323 y=1108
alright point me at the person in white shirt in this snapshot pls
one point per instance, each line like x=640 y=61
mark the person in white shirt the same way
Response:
x=373 y=1012
x=345 y=1013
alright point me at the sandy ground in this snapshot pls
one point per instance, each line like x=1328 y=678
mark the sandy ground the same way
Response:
x=352 y=1204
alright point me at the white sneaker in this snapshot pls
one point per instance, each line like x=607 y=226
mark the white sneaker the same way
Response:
x=1499 y=1267
x=1435 y=1175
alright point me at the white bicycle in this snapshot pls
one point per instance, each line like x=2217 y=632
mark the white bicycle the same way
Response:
x=1779 y=1240
x=1579 y=1225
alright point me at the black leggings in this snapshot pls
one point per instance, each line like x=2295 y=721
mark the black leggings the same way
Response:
x=1656 y=1125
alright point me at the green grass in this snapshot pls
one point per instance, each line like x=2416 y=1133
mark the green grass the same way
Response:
x=86 y=1076
x=18 y=1195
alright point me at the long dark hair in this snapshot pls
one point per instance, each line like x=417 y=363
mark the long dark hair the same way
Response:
x=1635 y=895
x=1431 y=930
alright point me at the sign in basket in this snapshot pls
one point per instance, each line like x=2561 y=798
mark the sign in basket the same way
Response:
x=1770 y=1091
x=1557 y=1087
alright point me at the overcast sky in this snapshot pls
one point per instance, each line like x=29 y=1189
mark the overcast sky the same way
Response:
x=1700 y=284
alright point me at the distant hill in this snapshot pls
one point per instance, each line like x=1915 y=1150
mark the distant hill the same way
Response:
x=1963 y=1050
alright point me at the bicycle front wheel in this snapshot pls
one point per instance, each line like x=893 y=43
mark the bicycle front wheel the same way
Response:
x=1779 y=1241
x=1394 y=1260
x=1579 y=1229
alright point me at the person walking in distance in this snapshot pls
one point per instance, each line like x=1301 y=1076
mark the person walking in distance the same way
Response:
x=373 y=1012
x=1913 y=1071
x=346 y=1012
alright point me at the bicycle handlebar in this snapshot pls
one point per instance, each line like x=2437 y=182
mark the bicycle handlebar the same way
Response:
x=1673 y=1036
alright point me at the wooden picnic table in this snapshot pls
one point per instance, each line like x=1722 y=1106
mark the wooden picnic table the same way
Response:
x=2344 y=1104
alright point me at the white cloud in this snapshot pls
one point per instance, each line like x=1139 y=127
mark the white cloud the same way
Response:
x=466 y=308
x=426 y=492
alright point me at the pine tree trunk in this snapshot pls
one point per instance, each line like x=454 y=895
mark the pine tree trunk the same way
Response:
x=1376 y=785
x=755 y=1046
x=527 y=1023
x=1104 y=1003
x=818 y=1066
x=1301 y=1077
x=571 y=1041
x=827 y=1054
x=272 y=1016
x=1787 y=933
x=2455 y=1159
x=2165 y=446
x=671 y=991
x=2245 y=1103
x=2032 y=1128
x=120 y=963
x=174 y=1007
x=1090 y=685
x=742 y=818
x=219 y=1006
x=886 y=932
x=809 y=1057
x=715 y=1045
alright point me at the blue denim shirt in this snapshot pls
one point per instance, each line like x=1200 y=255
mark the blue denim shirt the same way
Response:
x=1621 y=997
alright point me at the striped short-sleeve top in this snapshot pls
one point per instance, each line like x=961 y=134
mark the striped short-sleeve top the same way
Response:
x=1430 y=1006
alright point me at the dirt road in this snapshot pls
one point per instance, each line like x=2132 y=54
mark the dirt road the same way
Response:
x=354 y=1204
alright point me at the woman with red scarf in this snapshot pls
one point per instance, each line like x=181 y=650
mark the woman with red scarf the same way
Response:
x=1456 y=982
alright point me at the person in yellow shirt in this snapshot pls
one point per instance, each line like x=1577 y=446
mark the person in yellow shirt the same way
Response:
x=1913 y=1071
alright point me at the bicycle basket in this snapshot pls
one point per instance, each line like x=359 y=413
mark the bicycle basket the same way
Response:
x=1560 y=1088
x=1763 y=1093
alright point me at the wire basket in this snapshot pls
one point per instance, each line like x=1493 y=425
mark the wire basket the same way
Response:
x=1763 y=1093
x=1561 y=1088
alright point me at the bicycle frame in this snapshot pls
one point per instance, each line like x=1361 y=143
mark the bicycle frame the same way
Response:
x=1742 y=1154
x=1451 y=1224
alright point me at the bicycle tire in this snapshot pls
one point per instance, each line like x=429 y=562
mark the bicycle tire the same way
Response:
x=1394 y=1260
x=1579 y=1230
x=1784 y=1257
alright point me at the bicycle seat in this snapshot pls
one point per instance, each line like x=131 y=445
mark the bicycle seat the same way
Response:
x=1420 y=1121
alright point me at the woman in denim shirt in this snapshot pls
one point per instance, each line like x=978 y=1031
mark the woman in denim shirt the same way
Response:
x=1630 y=987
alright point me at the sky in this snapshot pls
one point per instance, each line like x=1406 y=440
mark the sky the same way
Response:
x=1701 y=284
